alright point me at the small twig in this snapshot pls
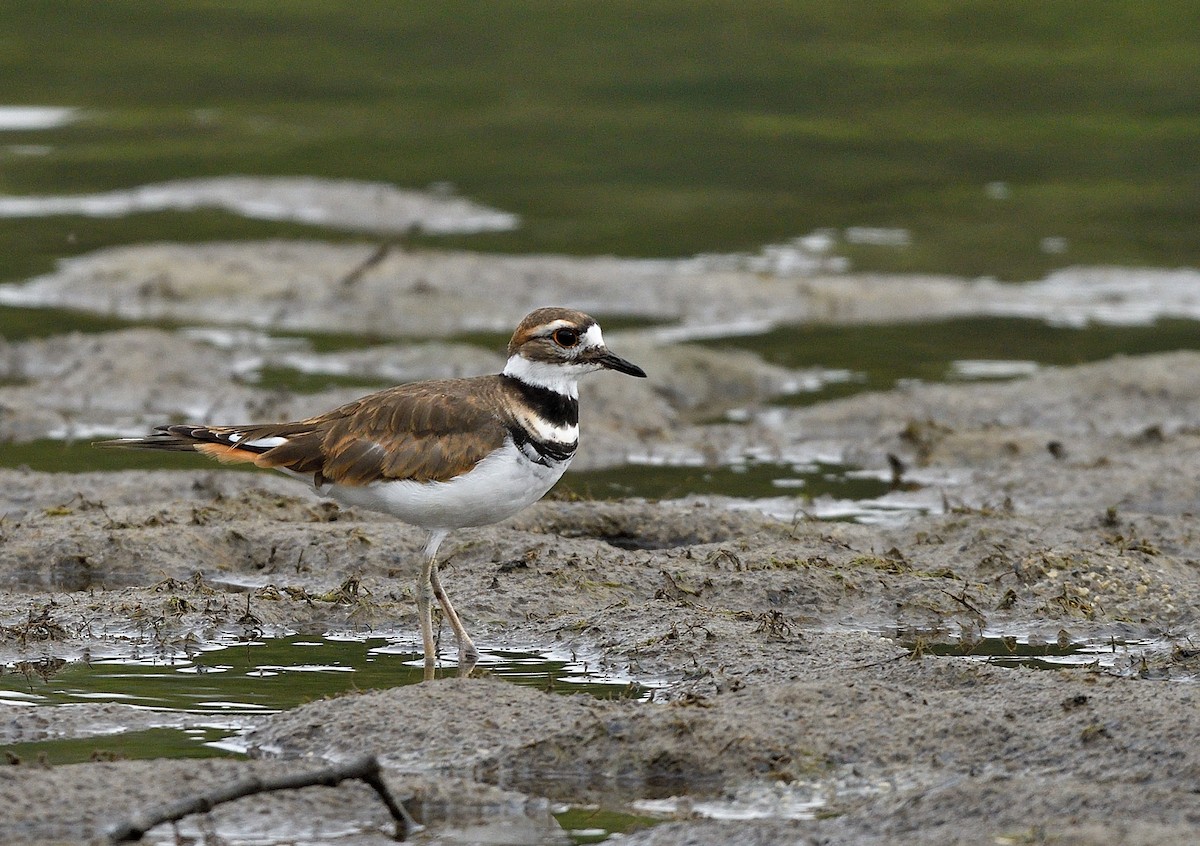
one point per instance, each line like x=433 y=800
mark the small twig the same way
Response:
x=378 y=255
x=365 y=768
x=962 y=601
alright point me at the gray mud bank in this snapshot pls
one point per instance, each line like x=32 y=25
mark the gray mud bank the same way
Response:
x=782 y=714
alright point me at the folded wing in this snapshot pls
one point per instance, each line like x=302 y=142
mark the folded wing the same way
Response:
x=424 y=432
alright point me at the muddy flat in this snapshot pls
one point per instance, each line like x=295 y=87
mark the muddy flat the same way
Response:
x=1010 y=658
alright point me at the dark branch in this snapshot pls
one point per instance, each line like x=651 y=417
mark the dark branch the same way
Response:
x=366 y=769
x=377 y=256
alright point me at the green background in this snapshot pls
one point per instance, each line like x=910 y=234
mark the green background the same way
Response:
x=637 y=128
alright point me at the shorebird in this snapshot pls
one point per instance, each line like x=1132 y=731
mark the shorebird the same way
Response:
x=442 y=454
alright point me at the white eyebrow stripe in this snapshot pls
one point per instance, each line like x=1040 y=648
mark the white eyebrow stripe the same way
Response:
x=560 y=323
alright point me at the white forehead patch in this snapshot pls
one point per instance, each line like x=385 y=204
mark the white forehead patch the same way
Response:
x=592 y=337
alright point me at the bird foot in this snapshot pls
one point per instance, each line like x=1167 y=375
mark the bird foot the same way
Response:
x=468 y=657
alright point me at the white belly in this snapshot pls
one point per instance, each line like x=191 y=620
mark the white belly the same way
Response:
x=497 y=488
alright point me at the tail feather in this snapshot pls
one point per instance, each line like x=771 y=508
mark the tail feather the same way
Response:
x=229 y=454
x=225 y=444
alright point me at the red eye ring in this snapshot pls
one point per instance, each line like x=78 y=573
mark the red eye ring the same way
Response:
x=566 y=337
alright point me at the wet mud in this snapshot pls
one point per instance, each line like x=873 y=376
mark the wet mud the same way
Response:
x=813 y=680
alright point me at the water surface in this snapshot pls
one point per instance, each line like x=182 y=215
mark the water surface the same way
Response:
x=219 y=684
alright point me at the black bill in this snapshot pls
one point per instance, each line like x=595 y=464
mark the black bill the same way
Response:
x=615 y=362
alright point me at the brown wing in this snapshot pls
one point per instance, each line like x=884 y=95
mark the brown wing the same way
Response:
x=426 y=431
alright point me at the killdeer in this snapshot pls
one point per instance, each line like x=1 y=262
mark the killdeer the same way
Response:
x=440 y=455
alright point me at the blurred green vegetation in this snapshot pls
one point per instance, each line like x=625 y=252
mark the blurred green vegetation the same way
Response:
x=637 y=128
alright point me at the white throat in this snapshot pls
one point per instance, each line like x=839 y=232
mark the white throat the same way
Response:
x=557 y=377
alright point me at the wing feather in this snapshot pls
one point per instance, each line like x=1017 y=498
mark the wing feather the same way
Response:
x=427 y=431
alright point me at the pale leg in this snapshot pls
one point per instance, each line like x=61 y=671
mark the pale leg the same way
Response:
x=425 y=593
x=468 y=655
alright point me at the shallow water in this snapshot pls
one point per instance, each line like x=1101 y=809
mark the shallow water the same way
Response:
x=751 y=479
x=858 y=357
x=1141 y=657
x=231 y=680
x=880 y=356
x=216 y=687
x=195 y=742
x=20 y=118
x=450 y=825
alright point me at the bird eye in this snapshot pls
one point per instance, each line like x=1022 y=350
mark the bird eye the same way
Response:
x=566 y=337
